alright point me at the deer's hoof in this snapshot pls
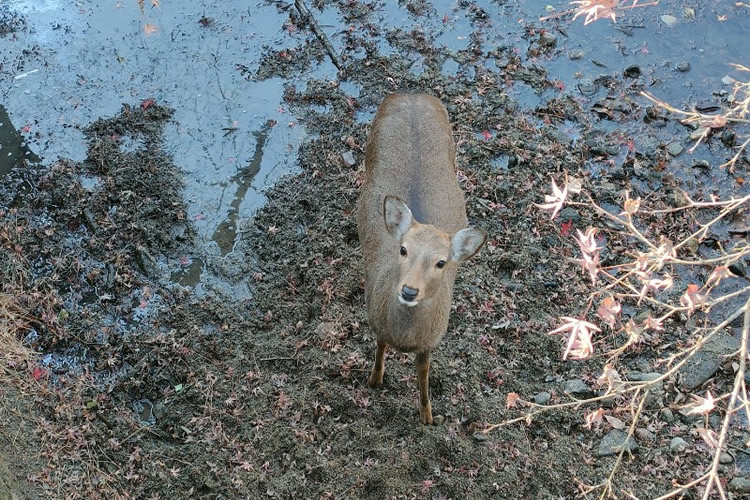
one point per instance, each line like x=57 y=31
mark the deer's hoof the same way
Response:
x=425 y=415
x=376 y=379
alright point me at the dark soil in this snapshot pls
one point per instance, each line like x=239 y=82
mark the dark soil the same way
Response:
x=146 y=391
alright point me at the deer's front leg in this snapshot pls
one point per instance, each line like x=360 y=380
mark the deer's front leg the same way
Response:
x=376 y=377
x=423 y=380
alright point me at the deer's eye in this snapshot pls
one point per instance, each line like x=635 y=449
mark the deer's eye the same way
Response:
x=403 y=251
x=440 y=264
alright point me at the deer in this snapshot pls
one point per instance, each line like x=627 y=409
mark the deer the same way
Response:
x=412 y=227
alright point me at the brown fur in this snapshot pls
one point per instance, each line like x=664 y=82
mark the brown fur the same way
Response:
x=410 y=160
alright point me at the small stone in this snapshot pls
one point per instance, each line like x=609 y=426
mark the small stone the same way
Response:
x=575 y=55
x=349 y=158
x=644 y=434
x=707 y=361
x=576 y=386
x=725 y=458
x=740 y=485
x=669 y=20
x=674 y=149
x=727 y=137
x=479 y=436
x=683 y=67
x=547 y=39
x=587 y=87
x=667 y=415
x=438 y=420
x=542 y=398
x=678 y=445
x=569 y=214
x=688 y=13
x=614 y=442
x=632 y=71
x=698 y=133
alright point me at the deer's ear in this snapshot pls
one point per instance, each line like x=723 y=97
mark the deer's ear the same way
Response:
x=466 y=243
x=397 y=216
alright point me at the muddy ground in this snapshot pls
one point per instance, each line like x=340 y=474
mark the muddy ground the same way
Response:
x=142 y=389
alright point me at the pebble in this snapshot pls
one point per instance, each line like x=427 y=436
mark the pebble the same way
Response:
x=438 y=420
x=678 y=445
x=725 y=458
x=587 y=87
x=698 y=133
x=349 y=158
x=683 y=66
x=542 y=398
x=740 y=485
x=644 y=434
x=547 y=39
x=575 y=55
x=727 y=137
x=614 y=442
x=669 y=20
x=576 y=386
x=478 y=436
x=674 y=149
x=632 y=71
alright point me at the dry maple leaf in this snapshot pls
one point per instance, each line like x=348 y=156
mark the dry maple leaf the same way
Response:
x=593 y=417
x=578 y=344
x=718 y=274
x=702 y=405
x=608 y=311
x=556 y=201
x=691 y=298
x=595 y=9
x=150 y=29
x=511 y=400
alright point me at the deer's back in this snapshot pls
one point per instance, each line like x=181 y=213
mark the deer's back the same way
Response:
x=410 y=154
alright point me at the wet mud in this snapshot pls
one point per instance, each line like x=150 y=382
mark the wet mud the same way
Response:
x=167 y=367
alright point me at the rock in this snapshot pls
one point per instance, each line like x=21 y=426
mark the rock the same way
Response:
x=669 y=20
x=683 y=67
x=644 y=434
x=688 y=13
x=348 y=158
x=739 y=485
x=569 y=214
x=542 y=398
x=648 y=145
x=587 y=87
x=739 y=269
x=614 y=442
x=667 y=415
x=674 y=148
x=438 y=420
x=547 y=39
x=576 y=387
x=575 y=55
x=704 y=364
x=727 y=137
x=479 y=436
x=698 y=133
x=632 y=71
x=643 y=377
x=678 y=445
x=725 y=458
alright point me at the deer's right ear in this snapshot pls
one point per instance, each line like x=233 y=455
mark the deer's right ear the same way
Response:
x=397 y=215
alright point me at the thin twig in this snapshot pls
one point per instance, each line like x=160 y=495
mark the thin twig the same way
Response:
x=307 y=15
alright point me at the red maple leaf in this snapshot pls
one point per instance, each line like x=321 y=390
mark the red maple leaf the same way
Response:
x=565 y=227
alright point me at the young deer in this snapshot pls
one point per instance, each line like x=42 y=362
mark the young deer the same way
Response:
x=412 y=228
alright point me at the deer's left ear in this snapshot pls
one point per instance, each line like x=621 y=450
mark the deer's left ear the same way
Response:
x=466 y=243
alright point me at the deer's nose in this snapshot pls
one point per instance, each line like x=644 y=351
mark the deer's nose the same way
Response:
x=408 y=293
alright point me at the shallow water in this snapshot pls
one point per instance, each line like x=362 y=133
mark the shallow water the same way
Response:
x=233 y=137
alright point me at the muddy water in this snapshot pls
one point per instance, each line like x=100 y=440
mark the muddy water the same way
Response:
x=233 y=137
